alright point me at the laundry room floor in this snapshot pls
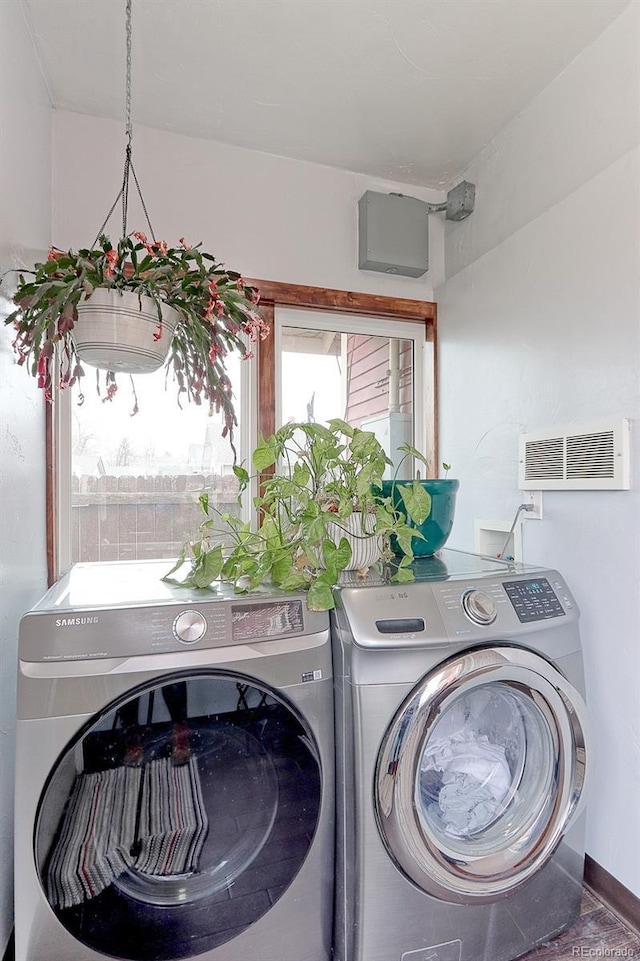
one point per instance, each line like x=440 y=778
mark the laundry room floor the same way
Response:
x=598 y=933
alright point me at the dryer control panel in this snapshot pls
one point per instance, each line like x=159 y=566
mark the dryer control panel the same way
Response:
x=123 y=610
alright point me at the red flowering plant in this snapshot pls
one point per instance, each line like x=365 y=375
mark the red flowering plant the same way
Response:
x=217 y=311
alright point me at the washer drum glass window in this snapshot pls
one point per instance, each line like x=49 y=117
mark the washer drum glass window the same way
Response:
x=178 y=817
x=480 y=773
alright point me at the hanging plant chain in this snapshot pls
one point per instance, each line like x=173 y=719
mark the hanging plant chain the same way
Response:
x=128 y=161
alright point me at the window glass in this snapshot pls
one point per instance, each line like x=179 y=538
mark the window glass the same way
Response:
x=366 y=378
x=313 y=387
x=487 y=771
x=136 y=477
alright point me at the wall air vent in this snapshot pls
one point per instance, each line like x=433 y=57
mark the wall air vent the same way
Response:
x=588 y=457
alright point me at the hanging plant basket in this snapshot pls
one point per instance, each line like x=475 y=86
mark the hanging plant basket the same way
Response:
x=120 y=331
x=88 y=306
x=127 y=308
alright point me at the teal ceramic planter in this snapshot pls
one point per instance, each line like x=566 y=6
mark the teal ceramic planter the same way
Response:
x=437 y=527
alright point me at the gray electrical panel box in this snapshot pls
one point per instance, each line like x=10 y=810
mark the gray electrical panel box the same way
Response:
x=393 y=234
x=461 y=201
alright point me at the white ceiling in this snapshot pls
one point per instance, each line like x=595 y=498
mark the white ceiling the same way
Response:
x=409 y=90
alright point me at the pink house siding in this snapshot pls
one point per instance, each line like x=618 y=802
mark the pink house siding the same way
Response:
x=368 y=379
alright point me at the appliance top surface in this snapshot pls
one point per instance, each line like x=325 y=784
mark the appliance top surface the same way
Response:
x=447 y=564
x=122 y=584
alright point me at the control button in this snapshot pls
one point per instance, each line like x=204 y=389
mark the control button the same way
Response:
x=479 y=607
x=189 y=627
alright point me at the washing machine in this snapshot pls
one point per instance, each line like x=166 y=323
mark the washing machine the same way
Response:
x=462 y=753
x=175 y=773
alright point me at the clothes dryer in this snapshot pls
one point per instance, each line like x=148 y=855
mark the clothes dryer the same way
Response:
x=462 y=752
x=175 y=773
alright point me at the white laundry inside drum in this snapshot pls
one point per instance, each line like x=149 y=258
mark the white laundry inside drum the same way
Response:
x=472 y=762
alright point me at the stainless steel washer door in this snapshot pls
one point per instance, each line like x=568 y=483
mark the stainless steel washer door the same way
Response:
x=178 y=816
x=480 y=773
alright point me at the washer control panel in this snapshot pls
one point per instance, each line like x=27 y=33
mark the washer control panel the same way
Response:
x=443 y=610
x=533 y=599
x=502 y=606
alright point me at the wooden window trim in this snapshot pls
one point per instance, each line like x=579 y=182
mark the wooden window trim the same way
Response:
x=274 y=294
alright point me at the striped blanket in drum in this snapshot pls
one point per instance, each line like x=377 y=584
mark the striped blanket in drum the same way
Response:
x=173 y=820
x=97 y=840
x=96 y=835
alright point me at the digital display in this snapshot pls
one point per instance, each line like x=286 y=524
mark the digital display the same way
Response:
x=253 y=622
x=533 y=599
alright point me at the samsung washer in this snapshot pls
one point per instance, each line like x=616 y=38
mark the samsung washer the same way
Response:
x=461 y=759
x=125 y=849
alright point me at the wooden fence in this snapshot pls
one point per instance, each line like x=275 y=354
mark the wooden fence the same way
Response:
x=140 y=517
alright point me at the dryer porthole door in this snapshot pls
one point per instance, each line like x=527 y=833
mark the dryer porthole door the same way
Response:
x=480 y=773
x=178 y=817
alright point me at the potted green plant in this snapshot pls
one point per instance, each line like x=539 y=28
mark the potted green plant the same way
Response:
x=321 y=511
x=428 y=504
x=188 y=304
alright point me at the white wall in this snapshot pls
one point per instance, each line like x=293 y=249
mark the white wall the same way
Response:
x=539 y=326
x=268 y=217
x=25 y=221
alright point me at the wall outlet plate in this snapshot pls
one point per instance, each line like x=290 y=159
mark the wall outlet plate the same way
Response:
x=533 y=499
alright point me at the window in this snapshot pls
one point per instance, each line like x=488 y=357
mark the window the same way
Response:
x=127 y=488
x=350 y=367
x=129 y=484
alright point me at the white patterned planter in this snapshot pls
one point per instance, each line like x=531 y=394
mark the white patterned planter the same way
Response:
x=115 y=331
x=366 y=547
